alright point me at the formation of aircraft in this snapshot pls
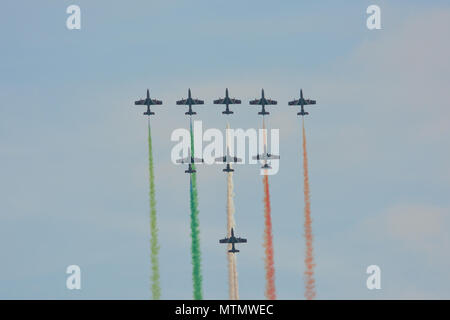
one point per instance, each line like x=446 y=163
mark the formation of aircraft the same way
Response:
x=190 y=160
x=301 y=102
x=148 y=102
x=190 y=102
x=263 y=102
x=233 y=240
x=227 y=159
x=227 y=101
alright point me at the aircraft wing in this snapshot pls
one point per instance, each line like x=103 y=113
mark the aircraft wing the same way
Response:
x=221 y=159
x=262 y=156
x=231 y=101
x=144 y=102
x=184 y=160
x=197 y=101
x=299 y=102
x=265 y=156
x=219 y=101
x=241 y=240
x=226 y=240
x=231 y=159
x=182 y=102
x=270 y=101
x=198 y=160
x=256 y=101
x=139 y=102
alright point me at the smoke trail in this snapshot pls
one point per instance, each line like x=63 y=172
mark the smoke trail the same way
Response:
x=156 y=289
x=235 y=278
x=310 y=291
x=231 y=224
x=268 y=244
x=195 y=230
x=233 y=287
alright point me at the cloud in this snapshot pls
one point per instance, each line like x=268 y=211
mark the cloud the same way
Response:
x=407 y=74
x=416 y=222
x=420 y=230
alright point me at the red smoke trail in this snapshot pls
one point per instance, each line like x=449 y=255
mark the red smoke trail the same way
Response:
x=268 y=244
x=310 y=291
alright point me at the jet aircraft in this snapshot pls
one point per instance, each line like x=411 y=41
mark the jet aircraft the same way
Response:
x=227 y=101
x=302 y=102
x=266 y=156
x=190 y=102
x=227 y=159
x=148 y=102
x=263 y=102
x=232 y=239
x=190 y=160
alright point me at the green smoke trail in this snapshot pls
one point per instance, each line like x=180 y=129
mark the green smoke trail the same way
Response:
x=195 y=230
x=156 y=289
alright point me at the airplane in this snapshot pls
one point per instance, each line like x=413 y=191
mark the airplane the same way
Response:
x=227 y=101
x=190 y=102
x=301 y=102
x=265 y=155
x=148 y=102
x=228 y=158
x=232 y=239
x=191 y=160
x=263 y=102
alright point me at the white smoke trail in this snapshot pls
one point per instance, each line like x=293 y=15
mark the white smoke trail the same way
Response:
x=231 y=257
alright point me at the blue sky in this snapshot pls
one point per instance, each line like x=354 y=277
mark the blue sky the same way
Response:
x=73 y=173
